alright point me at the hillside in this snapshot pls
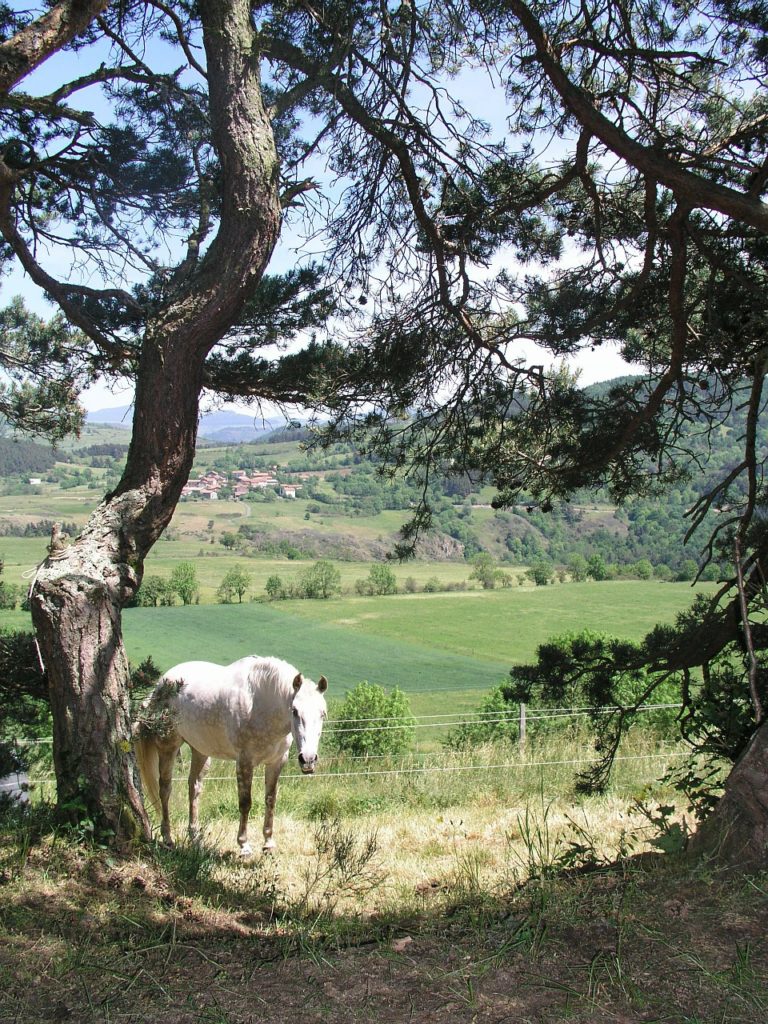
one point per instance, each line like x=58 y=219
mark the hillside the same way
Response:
x=331 y=503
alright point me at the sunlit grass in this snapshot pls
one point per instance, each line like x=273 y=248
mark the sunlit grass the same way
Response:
x=507 y=809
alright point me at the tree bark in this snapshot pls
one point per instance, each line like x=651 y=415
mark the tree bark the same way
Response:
x=76 y=604
x=79 y=592
x=78 y=596
x=736 y=833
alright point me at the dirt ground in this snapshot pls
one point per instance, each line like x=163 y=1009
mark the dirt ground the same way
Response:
x=87 y=938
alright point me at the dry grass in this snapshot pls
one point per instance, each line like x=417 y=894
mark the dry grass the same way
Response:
x=440 y=924
x=458 y=898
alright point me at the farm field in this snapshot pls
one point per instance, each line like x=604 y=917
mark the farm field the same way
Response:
x=195 y=532
x=504 y=625
x=462 y=641
x=460 y=644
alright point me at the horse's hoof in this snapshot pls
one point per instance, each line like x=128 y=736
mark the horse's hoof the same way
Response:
x=246 y=850
x=269 y=846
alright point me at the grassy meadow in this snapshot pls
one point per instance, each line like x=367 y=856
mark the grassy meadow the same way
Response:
x=441 y=649
x=472 y=886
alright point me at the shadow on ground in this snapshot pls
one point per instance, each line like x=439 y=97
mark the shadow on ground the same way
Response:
x=182 y=938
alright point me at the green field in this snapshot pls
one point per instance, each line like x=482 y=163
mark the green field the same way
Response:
x=459 y=642
x=462 y=643
x=195 y=532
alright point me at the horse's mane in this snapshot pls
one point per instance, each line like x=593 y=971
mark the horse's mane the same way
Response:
x=273 y=672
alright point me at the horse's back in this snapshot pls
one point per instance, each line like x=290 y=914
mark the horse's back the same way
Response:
x=213 y=704
x=252 y=671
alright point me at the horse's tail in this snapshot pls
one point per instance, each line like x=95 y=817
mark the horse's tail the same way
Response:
x=148 y=759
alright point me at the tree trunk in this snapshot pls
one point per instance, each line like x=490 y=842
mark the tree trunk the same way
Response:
x=79 y=592
x=76 y=605
x=736 y=833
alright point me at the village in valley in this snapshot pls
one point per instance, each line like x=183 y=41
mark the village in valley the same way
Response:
x=237 y=485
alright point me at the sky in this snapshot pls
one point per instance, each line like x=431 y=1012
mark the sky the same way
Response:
x=598 y=365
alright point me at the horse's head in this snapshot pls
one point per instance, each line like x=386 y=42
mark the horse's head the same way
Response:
x=308 y=713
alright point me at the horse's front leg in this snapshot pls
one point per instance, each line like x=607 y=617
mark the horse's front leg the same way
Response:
x=197 y=772
x=271 y=779
x=244 y=782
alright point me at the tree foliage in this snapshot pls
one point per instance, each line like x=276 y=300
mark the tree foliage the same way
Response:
x=235 y=584
x=612 y=679
x=380 y=580
x=24 y=706
x=321 y=580
x=42 y=374
x=494 y=720
x=184 y=582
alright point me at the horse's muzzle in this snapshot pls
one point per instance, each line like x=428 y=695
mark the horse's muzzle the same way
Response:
x=307 y=764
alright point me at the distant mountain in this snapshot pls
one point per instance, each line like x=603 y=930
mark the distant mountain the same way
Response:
x=223 y=425
x=119 y=415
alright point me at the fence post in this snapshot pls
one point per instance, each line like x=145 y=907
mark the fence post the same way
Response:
x=522 y=726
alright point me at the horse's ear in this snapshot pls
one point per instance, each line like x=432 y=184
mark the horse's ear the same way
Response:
x=322 y=684
x=298 y=681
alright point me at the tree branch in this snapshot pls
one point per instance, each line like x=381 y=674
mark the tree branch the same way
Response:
x=689 y=188
x=34 y=43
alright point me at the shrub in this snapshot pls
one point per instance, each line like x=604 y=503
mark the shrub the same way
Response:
x=10 y=595
x=643 y=569
x=152 y=592
x=24 y=705
x=184 y=582
x=380 y=580
x=274 y=588
x=541 y=572
x=235 y=584
x=496 y=719
x=484 y=571
x=375 y=722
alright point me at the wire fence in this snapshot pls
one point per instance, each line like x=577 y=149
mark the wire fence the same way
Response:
x=414 y=763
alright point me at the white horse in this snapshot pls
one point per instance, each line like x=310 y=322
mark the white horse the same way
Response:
x=248 y=712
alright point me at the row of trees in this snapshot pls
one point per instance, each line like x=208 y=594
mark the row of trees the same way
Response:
x=319 y=581
x=322 y=580
x=158 y=590
x=183 y=584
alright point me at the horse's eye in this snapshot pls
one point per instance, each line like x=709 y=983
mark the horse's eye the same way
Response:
x=295 y=712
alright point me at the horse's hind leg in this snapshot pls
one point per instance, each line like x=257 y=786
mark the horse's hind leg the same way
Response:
x=167 y=756
x=244 y=783
x=197 y=772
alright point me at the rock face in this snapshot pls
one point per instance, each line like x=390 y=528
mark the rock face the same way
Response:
x=440 y=547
